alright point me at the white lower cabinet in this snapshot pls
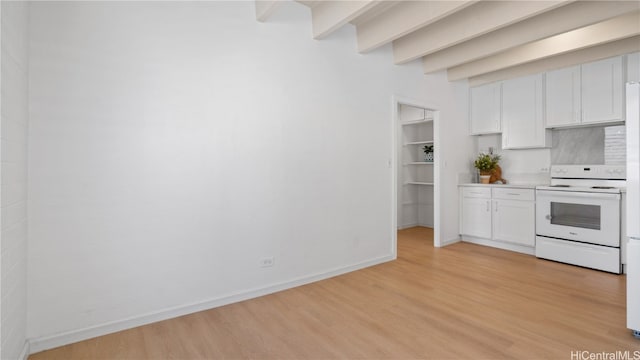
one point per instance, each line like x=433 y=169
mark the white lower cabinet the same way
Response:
x=477 y=217
x=514 y=214
x=501 y=217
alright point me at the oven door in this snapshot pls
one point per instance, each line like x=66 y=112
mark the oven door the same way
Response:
x=581 y=216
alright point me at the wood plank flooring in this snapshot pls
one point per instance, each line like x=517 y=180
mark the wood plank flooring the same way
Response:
x=460 y=302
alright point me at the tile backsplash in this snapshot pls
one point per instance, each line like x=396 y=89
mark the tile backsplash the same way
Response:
x=590 y=145
x=578 y=146
x=615 y=146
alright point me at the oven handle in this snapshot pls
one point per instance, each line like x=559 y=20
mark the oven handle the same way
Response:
x=577 y=194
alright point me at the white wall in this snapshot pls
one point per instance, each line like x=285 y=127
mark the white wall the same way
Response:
x=454 y=147
x=173 y=145
x=518 y=166
x=13 y=179
x=515 y=161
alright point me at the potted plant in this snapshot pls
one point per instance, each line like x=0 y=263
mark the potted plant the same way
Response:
x=428 y=153
x=486 y=164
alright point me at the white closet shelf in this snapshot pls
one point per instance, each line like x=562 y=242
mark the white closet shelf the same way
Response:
x=418 y=183
x=420 y=163
x=416 y=122
x=423 y=142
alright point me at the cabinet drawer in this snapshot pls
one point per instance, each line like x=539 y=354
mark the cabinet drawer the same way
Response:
x=514 y=194
x=476 y=192
x=592 y=256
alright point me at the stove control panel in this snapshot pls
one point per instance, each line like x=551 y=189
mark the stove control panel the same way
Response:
x=611 y=172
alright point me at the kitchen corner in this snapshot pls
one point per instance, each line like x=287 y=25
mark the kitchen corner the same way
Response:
x=563 y=157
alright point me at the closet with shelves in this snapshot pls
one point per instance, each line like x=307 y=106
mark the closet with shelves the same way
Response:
x=416 y=168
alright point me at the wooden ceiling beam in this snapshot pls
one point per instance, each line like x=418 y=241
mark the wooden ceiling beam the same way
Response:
x=618 y=28
x=329 y=16
x=402 y=19
x=473 y=21
x=557 y=21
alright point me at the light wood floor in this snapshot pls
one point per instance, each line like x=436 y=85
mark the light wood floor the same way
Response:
x=460 y=302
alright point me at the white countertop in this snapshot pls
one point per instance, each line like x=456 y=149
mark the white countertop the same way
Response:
x=512 y=186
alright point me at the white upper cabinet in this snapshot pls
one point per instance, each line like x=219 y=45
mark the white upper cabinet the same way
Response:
x=585 y=94
x=602 y=91
x=563 y=98
x=485 y=109
x=522 y=114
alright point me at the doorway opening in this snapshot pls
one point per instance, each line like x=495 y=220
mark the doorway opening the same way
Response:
x=416 y=170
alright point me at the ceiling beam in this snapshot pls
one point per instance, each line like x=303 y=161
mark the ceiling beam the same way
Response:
x=329 y=16
x=379 y=9
x=618 y=28
x=402 y=19
x=593 y=53
x=476 y=20
x=308 y=3
x=264 y=8
x=557 y=21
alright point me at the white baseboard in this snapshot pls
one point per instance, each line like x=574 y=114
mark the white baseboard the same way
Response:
x=500 y=245
x=52 y=341
x=406 y=226
x=24 y=354
x=450 y=241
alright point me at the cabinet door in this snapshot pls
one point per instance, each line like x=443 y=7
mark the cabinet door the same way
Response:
x=602 y=90
x=522 y=113
x=485 y=109
x=514 y=222
x=562 y=96
x=476 y=217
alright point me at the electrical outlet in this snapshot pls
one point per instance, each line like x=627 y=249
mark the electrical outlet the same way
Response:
x=267 y=261
x=544 y=170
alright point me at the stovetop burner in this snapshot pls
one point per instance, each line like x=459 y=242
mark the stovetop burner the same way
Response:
x=608 y=179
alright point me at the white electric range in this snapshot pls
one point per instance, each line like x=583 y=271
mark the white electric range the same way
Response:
x=578 y=216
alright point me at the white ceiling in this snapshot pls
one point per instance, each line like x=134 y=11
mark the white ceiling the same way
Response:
x=481 y=41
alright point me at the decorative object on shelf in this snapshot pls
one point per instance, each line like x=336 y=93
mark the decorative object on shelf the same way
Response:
x=428 y=153
x=486 y=165
x=496 y=176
